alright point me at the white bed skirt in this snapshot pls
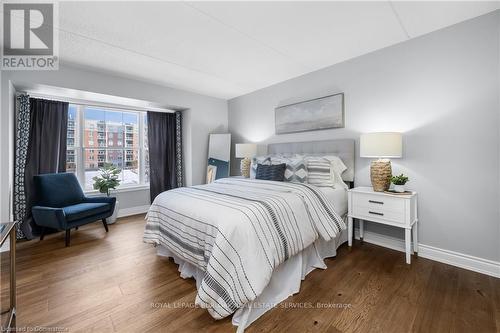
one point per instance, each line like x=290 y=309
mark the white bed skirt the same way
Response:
x=284 y=282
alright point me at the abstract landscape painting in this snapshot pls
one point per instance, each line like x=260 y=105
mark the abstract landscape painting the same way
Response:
x=320 y=113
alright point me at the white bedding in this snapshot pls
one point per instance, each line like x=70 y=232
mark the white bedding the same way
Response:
x=338 y=197
x=285 y=281
x=238 y=232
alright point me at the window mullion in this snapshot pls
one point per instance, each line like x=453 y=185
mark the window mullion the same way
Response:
x=141 y=149
x=80 y=167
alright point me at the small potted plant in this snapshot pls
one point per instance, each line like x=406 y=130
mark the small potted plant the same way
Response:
x=107 y=181
x=399 y=182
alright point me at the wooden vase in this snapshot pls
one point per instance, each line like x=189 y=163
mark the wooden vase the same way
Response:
x=245 y=167
x=380 y=175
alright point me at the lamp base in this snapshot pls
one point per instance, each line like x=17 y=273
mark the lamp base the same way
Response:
x=245 y=167
x=380 y=175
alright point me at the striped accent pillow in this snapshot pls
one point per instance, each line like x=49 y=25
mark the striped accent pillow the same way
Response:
x=296 y=168
x=271 y=172
x=319 y=172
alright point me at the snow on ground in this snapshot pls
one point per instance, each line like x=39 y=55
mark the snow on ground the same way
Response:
x=128 y=178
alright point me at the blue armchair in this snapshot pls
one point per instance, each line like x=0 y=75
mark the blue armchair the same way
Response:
x=62 y=205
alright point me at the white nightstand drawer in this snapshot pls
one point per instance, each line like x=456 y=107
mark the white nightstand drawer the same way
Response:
x=381 y=203
x=387 y=215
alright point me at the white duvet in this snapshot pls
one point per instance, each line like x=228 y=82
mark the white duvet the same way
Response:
x=237 y=231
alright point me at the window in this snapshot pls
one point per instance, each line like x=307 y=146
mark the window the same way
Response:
x=99 y=135
x=71 y=137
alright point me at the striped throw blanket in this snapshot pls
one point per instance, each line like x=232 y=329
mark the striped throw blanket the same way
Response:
x=237 y=231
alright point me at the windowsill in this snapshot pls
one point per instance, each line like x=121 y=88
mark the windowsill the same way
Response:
x=130 y=188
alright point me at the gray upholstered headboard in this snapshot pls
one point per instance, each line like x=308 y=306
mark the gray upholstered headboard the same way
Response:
x=343 y=148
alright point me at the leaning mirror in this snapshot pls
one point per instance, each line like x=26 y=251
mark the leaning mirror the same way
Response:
x=219 y=152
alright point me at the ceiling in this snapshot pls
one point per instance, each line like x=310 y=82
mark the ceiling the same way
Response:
x=227 y=49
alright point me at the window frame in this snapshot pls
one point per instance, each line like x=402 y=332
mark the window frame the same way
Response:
x=79 y=146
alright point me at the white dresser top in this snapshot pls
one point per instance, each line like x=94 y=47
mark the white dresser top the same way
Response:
x=369 y=190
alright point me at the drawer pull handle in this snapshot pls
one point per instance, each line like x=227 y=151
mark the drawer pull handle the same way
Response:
x=376 y=202
x=375 y=213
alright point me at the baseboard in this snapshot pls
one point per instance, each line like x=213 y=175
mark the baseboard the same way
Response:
x=480 y=265
x=133 y=210
x=382 y=240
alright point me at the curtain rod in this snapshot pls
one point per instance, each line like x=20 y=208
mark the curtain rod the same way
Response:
x=97 y=104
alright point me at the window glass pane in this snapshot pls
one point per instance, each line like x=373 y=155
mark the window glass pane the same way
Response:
x=94 y=128
x=131 y=168
x=70 y=160
x=71 y=140
x=90 y=161
x=115 y=157
x=146 y=166
x=114 y=129
x=109 y=136
x=71 y=135
x=146 y=150
x=101 y=157
x=131 y=127
x=95 y=159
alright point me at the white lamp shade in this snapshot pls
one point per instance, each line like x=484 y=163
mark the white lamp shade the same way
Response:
x=381 y=145
x=244 y=150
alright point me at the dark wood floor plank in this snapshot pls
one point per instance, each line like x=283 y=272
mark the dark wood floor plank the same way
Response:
x=475 y=304
x=495 y=287
x=110 y=282
x=436 y=307
x=325 y=282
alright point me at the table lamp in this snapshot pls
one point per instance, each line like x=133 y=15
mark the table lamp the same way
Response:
x=245 y=151
x=382 y=146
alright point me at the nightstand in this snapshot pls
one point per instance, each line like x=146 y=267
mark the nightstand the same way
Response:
x=397 y=210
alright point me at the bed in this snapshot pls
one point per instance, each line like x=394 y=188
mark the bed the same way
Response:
x=250 y=243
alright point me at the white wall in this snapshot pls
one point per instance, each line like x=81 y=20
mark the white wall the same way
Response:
x=498 y=103
x=6 y=148
x=441 y=90
x=204 y=115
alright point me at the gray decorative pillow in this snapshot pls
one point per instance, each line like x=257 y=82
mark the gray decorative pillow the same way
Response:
x=271 y=172
x=318 y=170
x=296 y=168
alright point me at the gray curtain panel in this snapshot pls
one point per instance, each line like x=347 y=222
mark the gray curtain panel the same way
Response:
x=165 y=152
x=46 y=150
x=21 y=151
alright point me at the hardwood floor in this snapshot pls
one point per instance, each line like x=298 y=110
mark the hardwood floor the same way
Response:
x=113 y=283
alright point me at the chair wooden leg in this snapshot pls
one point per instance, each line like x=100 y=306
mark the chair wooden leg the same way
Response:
x=105 y=225
x=42 y=234
x=67 y=239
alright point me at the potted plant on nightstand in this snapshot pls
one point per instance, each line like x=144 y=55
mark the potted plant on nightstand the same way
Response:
x=107 y=181
x=399 y=183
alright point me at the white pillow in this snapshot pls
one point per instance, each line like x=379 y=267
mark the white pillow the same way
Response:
x=319 y=171
x=338 y=167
